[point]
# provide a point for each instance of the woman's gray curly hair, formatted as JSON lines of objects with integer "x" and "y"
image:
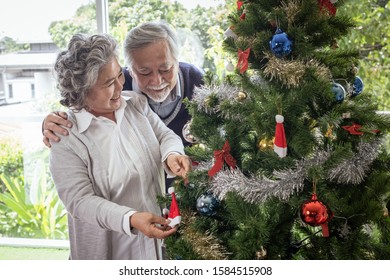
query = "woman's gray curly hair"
{"x": 77, "y": 68}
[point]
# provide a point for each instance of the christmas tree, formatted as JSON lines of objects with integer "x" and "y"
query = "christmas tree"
{"x": 288, "y": 150}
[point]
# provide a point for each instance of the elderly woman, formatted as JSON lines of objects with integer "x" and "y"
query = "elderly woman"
{"x": 109, "y": 170}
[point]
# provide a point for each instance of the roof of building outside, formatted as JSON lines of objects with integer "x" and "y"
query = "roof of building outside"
{"x": 28, "y": 60}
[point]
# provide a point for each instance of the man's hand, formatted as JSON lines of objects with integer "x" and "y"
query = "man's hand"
{"x": 151, "y": 225}
{"x": 51, "y": 125}
{"x": 180, "y": 165}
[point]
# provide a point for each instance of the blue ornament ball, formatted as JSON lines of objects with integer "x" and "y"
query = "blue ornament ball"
{"x": 357, "y": 87}
{"x": 280, "y": 44}
{"x": 338, "y": 91}
{"x": 207, "y": 204}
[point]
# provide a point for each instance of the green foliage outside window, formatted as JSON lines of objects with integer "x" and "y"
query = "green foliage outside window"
{"x": 11, "y": 159}
{"x": 29, "y": 208}
{"x": 371, "y": 37}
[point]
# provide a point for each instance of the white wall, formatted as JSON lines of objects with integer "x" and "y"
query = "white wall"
{"x": 44, "y": 83}
{"x": 21, "y": 90}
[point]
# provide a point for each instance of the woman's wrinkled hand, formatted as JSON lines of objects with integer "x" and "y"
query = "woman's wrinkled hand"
{"x": 152, "y": 225}
{"x": 179, "y": 165}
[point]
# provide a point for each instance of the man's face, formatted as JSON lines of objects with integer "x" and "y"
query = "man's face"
{"x": 155, "y": 70}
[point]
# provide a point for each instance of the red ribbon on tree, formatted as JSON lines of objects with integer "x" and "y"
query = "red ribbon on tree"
{"x": 242, "y": 62}
{"x": 222, "y": 156}
{"x": 239, "y": 4}
{"x": 353, "y": 129}
{"x": 327, "y": 4}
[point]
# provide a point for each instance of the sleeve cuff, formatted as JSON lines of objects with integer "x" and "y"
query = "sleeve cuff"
{"x": 126, "y": 222}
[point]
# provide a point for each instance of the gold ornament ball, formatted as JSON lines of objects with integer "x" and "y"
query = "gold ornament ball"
{"x": 265, "y": 143}
{"x": 242, "y": 96}
{"x": 355, "y": 70}
{"x": 200, "y": 146}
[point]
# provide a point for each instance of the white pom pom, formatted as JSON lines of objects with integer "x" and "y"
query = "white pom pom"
{"x": 171, "y": 190}
{"x": 279, "y": 118}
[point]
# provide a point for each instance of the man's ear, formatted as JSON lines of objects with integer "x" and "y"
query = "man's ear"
{"x": 130, "y": 71}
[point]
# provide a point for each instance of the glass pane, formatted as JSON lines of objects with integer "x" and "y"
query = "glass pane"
{"x": 29, "y": 206}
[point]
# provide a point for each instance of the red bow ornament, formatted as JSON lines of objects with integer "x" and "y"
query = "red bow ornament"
{"x": 328, "y": 4}
{"x": 239, "y": 4}
{"x": 353, "y": 129}
{"x": 242, "y": 62}
{"x": 222, "y": 156}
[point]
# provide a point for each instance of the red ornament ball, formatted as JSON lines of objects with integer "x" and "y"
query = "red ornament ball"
{"x": 315, "y": 212}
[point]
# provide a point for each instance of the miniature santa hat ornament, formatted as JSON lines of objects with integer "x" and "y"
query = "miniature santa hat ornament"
{"x": 174, "y": 211}
{"x": 280, "y": 144}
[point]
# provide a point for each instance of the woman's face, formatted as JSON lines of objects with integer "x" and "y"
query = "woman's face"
{"x": 155, "y": 70}
{"x": 103, "y": 98}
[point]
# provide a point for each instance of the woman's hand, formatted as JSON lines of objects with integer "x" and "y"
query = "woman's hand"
{"x": 179, "y": 165}
{"x": 152, "y": 225}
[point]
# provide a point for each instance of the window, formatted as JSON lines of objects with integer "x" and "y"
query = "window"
{"x": 10, "y": 92}
{"x": 32, "y": 91}
{"x": 28, "y": 93}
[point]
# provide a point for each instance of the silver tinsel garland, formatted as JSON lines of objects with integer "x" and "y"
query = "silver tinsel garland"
{"x": 223, "y": 92}
{"x": 353, "y": 170}
{"x": 257, "y": 189}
